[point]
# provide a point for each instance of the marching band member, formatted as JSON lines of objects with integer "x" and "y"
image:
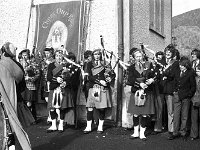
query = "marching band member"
{"x": 60, "y": 95}
{"x": 141, "y": 103}
{"x": 32, "y": 74}
{"x": 99, "y": 96}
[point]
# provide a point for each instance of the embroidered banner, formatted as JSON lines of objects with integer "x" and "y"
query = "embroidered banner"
{"x": 59, "y": 25}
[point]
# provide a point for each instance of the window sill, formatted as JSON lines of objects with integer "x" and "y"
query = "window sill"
{"x": 157, "y": 32}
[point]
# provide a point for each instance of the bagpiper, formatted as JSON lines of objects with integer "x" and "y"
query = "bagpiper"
{"x": 99, "y": 95}
{"x": 59, "y": 74}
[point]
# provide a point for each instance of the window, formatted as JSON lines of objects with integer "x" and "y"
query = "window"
{"x": 157, "y": 16}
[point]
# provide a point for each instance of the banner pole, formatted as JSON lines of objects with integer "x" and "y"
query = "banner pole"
{"x": 79, "y": 36}
{"x": 29, "y": 20}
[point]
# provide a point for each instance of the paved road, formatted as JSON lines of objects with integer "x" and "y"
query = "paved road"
{"x": 112, "y": 139}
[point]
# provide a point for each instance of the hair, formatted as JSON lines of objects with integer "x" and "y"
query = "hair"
{"x": 172, "y": 49}
{"x": 196, "y": 52}
{"x": 159, "y": 53}
{"x": 26, "y": 51}
{"x": 71, "y": 56}
{"x": 87, "y": 54}
{"x": 49, "y": 49}
{"x": 177, "y": 54}
{"x": 132, "y": 50}
{"x": 6, "y": 48}
{"x": 186, "y": 63}
{"x": 99, "y": 50}
{"x": 137, "y": 50}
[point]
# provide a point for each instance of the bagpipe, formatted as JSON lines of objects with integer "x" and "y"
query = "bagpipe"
{"x": 108, "y": 55}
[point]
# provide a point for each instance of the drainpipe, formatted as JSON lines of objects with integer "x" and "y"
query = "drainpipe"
{"x": 121, "y": 55}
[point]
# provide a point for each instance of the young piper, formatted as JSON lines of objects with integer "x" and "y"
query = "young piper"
{"x": 99, "y": 95}
{"x": 60, "y": 95}
{"x": 141, "y": 103}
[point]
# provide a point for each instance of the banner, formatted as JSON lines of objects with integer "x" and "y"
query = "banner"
{"x": 59, "y": 25}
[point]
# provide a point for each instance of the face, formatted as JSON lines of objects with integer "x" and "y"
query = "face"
{"x": 138, "y": 56}
{"x": 194, "y": 56}
{"x": 25, "y": 55}
{"x": 47, "y": 54}
{"x": 159, "y": 57}
{"x": 182, "y": 68}
{"x": 168, "y": 54}
{"x": 89, "y": 58}
{"x": 131, "y": 58}
{"x": 96, "y": 55}
{"x": 58, "y": 57}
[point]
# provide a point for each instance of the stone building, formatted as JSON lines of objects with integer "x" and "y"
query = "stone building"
{"x": 122, "y": 23}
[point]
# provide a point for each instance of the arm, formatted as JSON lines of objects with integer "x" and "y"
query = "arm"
{"x": 131, "y": 77}
{"x": 91, "y": 78}
{"x": 193, "y": 85}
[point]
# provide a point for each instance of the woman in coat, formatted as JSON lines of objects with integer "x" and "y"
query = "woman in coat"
{"x": 140, "y": 77}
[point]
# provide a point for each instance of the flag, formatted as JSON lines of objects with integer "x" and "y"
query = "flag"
{"x": 59, "y": 25}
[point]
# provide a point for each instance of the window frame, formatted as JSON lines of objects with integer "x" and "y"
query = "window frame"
{"x": 156, "y": 21}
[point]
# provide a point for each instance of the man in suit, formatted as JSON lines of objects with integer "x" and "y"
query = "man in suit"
{"x": 185, "y": 87}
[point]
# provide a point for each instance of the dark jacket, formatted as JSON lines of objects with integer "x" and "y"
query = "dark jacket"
{"x": 94, "y": 79}
{"x": 185, "y": 84}
{"x": 170, "y": 73}
{"x": 135, "y": 78}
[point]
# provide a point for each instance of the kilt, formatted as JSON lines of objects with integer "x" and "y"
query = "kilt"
{"x": 104, "y": 101}
{"x": 147, "y": 109}
{"x": 67, "y": 99}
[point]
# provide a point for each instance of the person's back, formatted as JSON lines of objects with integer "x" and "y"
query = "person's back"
{"x": 10, "y": 75}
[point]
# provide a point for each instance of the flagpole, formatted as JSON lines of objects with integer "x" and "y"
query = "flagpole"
{"x": 29, "y": 20}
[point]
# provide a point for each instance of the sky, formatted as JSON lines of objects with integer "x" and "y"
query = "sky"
{"x": 181, "y": 6}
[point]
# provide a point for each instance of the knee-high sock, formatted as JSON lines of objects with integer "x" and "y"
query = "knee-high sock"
{"x": 62, "y": 114}
{"x": 53, "y": 114}
{"x": 101, "y": 114}
{"x": 135, "y": 121}
{"x": 143, "y": 122}
{"x": 89, "y": 115}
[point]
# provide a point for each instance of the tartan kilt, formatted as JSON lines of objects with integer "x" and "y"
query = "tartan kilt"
{"x": 147, "y": 109}
{"x": 66, "y": 102}
{"x": 105, "y": 100}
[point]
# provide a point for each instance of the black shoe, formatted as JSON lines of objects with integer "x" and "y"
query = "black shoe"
{"x": 60, "y": 131}
{"x": 155, "y": 132}
{"x": 99, "y": 132}
{"x": 132, "y": 137}
{"x": 50, "y": 131}
{"x": 172, "y": 137}
{"x": 86, "y": 132}
{"x": 144, "y": 139}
